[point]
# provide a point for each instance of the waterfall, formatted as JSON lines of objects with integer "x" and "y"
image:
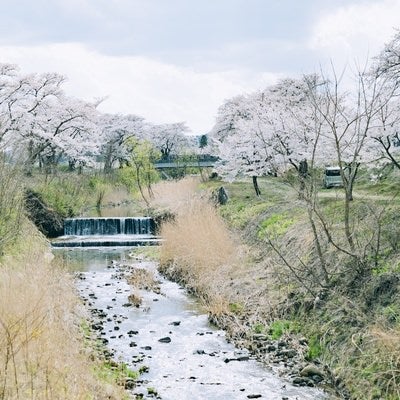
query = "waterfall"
{"x": 108, "y": 226}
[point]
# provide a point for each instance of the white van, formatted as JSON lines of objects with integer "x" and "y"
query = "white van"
{"x": 332, "y": 177}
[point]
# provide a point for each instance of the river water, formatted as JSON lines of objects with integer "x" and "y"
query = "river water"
{"x": 169, "y": 334}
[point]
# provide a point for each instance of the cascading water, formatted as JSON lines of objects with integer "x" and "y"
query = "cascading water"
{"x": 94, "y": 232}
{"x": 108, "y": 226}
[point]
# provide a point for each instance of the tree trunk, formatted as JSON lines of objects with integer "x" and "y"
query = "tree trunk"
{"x": 303, "y": 172}
{"x": 139, "y": 183}
{"x": 28, "y": 167}
{"x": 347, "y": 227}
{"x": 256, "y": 187}
{"x": 108, "y": 159}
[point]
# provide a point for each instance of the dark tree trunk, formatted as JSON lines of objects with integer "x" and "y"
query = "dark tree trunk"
{"x": 256, "y": 187}
{"x": 303, "y": 172}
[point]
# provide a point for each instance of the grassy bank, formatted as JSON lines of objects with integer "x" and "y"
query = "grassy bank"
{"x": 259, "y": 273}
{"x": 46, "y": 348}
{"x": 43, "y": 354}
{"x": 70, "y": 194}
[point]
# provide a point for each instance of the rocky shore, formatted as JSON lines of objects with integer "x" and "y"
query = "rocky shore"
{"x": 116, "y": 327}
{"x": 285, "y": 357}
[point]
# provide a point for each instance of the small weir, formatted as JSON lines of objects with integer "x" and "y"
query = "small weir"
{"x": 108, "y": 226}
{"x": 166, "y": 335}
{"x": 100, "y": 232}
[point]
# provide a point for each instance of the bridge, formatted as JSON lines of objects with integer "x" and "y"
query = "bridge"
{"x": 201, "y": 161}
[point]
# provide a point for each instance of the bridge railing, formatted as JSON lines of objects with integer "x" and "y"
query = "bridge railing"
{"x": 186, "y": 159}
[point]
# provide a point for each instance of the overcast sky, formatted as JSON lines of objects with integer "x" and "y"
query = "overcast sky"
{"x": 177, "y": 60}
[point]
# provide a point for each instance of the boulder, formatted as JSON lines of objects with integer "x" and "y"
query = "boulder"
{"x": 220, "y": 196}
{"x": 311, "y": 370}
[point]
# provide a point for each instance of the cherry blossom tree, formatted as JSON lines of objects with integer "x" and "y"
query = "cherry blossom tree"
{"x": 12, "y": 92}
{"x": 72, "y": 133}
{"x": 169, "y": 139}
{"x": 39, "y": 120}
{"x": 277, "y": 128}
{"x": 386, "y": 70}
{"x": 27, "y": 106}
{"x": 43, "y": 125}
{"x": 237, "y": 148}
{"x": 386, "y": 133}
{"x": 229, "y": 114}
{"x": 387, "y": 63}
{"x": 116, "y": 130}
{"x": 57, "y": 126}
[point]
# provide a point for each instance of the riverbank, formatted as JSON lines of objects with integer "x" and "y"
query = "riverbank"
{"x": 46, "y": 348}
{"x": 152, "y": 325}
{"x": 255, "y": 287}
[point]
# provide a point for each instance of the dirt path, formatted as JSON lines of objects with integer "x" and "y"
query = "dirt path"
{"x": 339, "y": 194}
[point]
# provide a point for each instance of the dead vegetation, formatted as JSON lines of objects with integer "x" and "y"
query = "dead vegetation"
{"x": 42, "y": 355}
{"x": 200, "y": 251}
{"x": 173, "y": 195}
{"x": 143, "y": 279}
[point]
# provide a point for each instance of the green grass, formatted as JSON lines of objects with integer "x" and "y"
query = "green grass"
{"x": 243, "y": 206}
{"x": 110, "y": 371}
{"x": 259, "y": 328}
{"x": 279, "y": 327}
{"x": 107, "y": 370}
{"x": 392, "y": 313}
{"x": 236, "y": 308}
{"x": 239, "y": 214}
{"x": 151, "y": 253}
{"x": 275, "y": 226}
{"x": 314, "y": 348}
{"x": 276, "y": 329}
{"x": 152, "y": 391}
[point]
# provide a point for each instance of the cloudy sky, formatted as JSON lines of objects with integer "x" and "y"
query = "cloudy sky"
{"x": 177, "y": 60}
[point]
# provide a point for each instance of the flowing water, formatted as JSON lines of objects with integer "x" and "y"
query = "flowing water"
{"x": 107, "y": 231}
{"x": 169, "y": 334}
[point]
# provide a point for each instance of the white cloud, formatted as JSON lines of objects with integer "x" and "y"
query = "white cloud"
{"x": 157, "y": 91}
{"x": 355, "y": 32}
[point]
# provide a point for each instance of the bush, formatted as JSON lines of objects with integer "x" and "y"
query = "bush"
{"x": 66, "y": 195}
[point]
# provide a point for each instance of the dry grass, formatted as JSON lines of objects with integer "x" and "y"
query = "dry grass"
{"x": 383, "y": 361}
{"x": 173, "y": 195}
{"x": 116, "y": 195}
{"x": 41, "y": 348}
{"x": 198, "y": 247}
{"x": 11, "y": 204}
{"x": 200, "y": 250}
{"x": 141, "y": 278}
{"x": 198, "y": 241}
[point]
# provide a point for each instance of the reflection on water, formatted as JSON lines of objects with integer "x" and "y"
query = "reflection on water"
{"x": 90, "y": 259}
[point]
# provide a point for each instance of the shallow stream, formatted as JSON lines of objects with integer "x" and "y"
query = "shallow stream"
{"x": 168, "y": 333}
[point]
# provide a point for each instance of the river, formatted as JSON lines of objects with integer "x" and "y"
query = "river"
{"x": 168, "y": 335}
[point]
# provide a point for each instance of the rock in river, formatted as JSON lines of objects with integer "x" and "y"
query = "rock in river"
{"x": 166, "y": 339}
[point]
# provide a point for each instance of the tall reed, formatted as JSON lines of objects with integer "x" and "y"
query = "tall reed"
{"x": 198, "y": 247}
{"x": 42, "y": 355}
